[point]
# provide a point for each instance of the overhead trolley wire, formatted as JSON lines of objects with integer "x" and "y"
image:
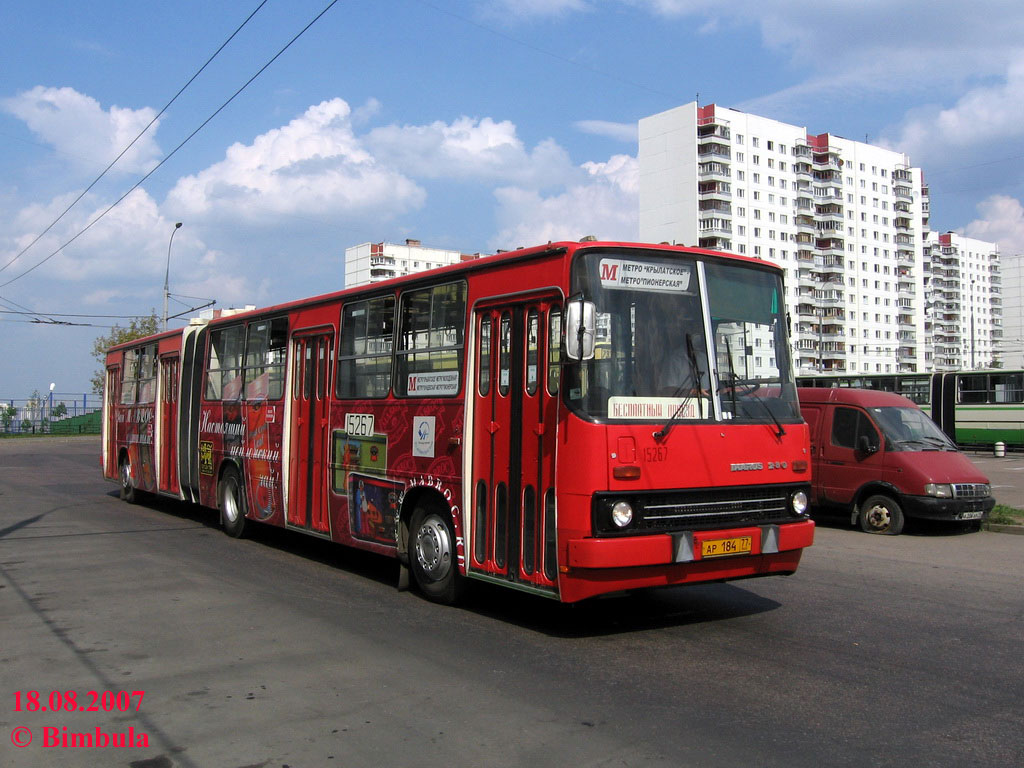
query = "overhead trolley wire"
{"x": 149, "y": 125}
{"x": 174, "y": 151}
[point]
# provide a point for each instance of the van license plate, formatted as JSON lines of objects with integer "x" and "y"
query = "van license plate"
{"x": 971, "y": 515}
{"x": 741, "y": 545}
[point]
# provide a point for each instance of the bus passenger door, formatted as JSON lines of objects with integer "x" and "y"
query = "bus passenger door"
{"x": 309, "y": 442}
{"x": 514, "y": 420}
{"x": 168, "y": 428}
{"x": 112, "y": 399}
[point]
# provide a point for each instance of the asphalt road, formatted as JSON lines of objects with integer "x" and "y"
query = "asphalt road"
{"x": 281, "y": 650}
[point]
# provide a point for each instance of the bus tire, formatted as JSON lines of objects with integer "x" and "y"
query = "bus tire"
{"x": 432, "y": 555}
{"x": 881, "y": 514}
{"x": 124, "y": 474}
{"x": 232, "y": 503}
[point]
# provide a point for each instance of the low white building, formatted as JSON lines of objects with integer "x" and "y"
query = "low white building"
{"x": 372, "y": 262}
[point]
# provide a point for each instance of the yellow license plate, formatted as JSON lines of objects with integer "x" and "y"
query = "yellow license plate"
{"x": 741, "y": 545}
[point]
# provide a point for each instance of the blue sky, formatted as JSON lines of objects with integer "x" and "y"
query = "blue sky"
{"x": 473, "y": 125}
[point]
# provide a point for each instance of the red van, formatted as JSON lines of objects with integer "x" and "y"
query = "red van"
{"x": 879, "y": 457}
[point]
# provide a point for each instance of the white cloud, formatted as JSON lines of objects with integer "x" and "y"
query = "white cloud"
{"x": 531, "y": 9}
{"x": 985, "y": 116}
{"x": 470, "y": 149}
{"x": 1002, "y": 222}
{"x": 619, "y": 131}
{"x": 315, "y": 165}
{"x": 86, "y": 134}
{"x": 604, "y": 204}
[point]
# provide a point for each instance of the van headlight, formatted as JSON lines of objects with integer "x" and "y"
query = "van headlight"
{"x": 799, "y": 502}
{"x": 939, "y": 490}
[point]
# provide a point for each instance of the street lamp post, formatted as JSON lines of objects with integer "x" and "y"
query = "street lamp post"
{"x": 167, "y": 273}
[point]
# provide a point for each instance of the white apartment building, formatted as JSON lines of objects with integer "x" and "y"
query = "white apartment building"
{"x": 373, "y": 262}
{"x": 847, "y": 221}
{"x": 1011, "y": 348}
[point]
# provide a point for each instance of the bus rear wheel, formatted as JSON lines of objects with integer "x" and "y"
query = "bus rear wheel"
{"x": 124, "y": 474}
{"x": 881, "y": 514}
{"x": 232, "y": 503}
{"x": 432, "y": 555}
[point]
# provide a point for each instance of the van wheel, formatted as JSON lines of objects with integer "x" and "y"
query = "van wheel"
{"x": 881, "y": 514}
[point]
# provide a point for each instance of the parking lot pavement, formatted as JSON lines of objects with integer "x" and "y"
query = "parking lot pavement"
{"x": 1006, "y": 475}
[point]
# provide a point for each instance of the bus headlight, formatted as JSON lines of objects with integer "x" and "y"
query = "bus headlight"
{"x": 799, "y": 502}
{"x": 939, "y": 490}
{"x": 622, "y": 514}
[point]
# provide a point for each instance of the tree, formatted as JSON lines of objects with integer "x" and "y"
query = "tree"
{"x": 7, "y": 413}
{"x": 60, "y": 410}
{"x": 136, "y": 329}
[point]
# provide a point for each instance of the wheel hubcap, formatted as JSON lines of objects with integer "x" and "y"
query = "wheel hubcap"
{"x": 126, "y": 475}
{"x": 230, "y": 504}
{"x": 878, "y": 517}
{"x": 433, "y": 549}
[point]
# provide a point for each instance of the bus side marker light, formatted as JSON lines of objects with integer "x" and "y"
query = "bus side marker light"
{"x": 626, "y": 473}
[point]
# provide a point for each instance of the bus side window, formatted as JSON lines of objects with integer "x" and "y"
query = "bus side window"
{"x": 265, "y": 350}
{"x": 973, "y": 388}
{"x": 224, "y": 369}
{"x": 430, "y": 339}
{"x": 364, "y": 354}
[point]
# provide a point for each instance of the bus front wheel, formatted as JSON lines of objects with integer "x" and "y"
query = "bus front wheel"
{"x": 432, "y": 555}
{"x": 232, "y": 503}
{"x": 881, "y": 514}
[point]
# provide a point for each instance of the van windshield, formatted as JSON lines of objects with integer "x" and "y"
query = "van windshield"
{"x": 910, "y": 429}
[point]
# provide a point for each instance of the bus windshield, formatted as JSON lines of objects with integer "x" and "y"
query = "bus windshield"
{"x": 660, "y": 319}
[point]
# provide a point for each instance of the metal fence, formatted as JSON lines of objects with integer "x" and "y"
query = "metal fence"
{"x": 53, "y": 413}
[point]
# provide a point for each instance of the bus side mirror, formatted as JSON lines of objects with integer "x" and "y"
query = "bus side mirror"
{"x": 580, "y": 330}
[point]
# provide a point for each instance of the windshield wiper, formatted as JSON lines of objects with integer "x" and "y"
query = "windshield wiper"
{"x": 693, "y": 380}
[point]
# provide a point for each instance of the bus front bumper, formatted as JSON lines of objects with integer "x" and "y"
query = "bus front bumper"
{"x": 597, "y": 566}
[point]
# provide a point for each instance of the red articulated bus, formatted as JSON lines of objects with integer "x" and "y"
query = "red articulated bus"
{"x": 571, "y": 420}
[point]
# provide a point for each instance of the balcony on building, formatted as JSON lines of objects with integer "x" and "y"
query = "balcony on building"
{"x": 829, "y": 178}
{"x": 904, "y": 240}
{"x": 715, "y": 227}
{"x": 805, "y": 223}
{"x": 806, "y": 310}
{"x": 803, "y": 170}
{"x": 714, "y": 242}
{"x": 713, "y": 170}
{"x": 830, "y": 246}
{"x": 716, "y": 207}
{"x": 904, "y": 256}
{"x": 805, "y": 279}
{"x": 804, "y": 254}
{"x": 712, "y": 124}
{"x": 827, "y": 159}
{"x": 829, "y": 212}
{"x": 903, "y": 222}
{"x": 711, "y": 147}
{"x": 903, "y": 193}
{"x": 714, "y": 190}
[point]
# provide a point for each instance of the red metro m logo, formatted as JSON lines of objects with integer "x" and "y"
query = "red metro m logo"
{"x": 609, "y": 272}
